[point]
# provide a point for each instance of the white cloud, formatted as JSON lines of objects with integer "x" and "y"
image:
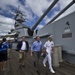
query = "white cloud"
{"x": 2, "y": 34}
{"x": 30, "y": 4}
{"x": 6, "y": 24}
{"x": 34, "y": 8}
{"x": 4, "y": 3}
{"x": 38, "y": 6}
{"x": 47, "y": 19}
{"x": 62, "y": 4}
{"x": 39, "y": 26}
{"x": 6, "y": 20}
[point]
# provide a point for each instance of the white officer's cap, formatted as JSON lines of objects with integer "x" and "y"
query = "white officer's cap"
{"x": 51, "y": 36}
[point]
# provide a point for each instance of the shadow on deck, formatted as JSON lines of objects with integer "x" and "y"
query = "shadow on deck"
{"x": 13, "y": 67}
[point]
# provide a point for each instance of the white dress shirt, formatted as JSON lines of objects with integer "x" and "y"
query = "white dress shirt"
{"x": 48, "y": 45}
{"x": 23, "y": 46}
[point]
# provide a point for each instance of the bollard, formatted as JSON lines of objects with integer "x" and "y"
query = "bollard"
{"x": 55, "y": 57}
{"x": 60, "y": 53}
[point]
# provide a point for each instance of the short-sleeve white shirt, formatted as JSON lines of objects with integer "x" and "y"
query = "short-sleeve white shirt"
{"x": 48, "y": 45}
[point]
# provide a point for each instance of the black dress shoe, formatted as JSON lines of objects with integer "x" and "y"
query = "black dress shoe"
{"x": 23, "y": 66}
{"x": 38, "y": 72}
{"x": 20, "y": 66}
{"x": 34, "y": 64}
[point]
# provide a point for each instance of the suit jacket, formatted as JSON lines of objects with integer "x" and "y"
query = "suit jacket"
{"x": 19, "y": 45}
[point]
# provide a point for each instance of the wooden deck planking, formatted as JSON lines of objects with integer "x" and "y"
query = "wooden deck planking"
{"x": 64, "y": 69}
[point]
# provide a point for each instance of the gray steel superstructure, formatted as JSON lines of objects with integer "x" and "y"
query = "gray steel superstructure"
{"x": 63, "y": 32}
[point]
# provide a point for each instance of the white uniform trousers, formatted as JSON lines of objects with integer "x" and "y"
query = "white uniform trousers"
{"x": 48, "y": 57}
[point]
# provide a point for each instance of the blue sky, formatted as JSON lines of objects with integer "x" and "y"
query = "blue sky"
{"x": 33, "y": 9}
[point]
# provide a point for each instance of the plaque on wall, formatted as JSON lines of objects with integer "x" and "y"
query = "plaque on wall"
{"x": 67, "y": 35}
{"x": 67, "y": 31}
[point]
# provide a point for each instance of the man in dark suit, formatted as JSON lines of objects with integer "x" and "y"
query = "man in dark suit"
{"x": 23, "y": 47}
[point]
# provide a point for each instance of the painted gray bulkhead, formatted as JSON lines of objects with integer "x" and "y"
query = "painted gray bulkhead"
{"x": 22, "y": 32}
{"x": 57, "y": 29}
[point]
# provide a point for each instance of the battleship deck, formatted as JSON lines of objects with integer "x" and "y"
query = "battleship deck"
{"x": 13, "y": 67}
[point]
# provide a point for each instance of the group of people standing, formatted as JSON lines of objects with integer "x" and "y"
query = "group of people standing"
{"x": 37, "y": 49}
{"x": 4, "y": 46}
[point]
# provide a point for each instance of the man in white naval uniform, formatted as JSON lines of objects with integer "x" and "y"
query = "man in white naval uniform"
{"x": 49, "y": 50}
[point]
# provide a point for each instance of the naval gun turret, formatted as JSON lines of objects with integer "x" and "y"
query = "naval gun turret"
{"x": 30, "y": 31}
{"x": 22, "y": 29}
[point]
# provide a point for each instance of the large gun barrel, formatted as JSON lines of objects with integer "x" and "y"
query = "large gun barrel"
{"x": 49, "y": 8}
{"x": 69, "y": 5}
